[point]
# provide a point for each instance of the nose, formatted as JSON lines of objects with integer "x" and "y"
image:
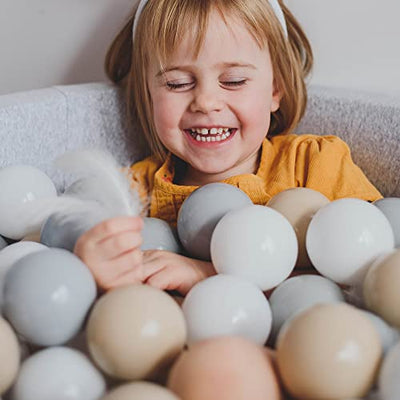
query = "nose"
{"x": 207, "y": 98}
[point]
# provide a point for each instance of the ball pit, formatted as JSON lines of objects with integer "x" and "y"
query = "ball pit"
{"x": 121, "y": 340}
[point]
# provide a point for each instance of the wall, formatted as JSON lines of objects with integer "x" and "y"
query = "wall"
{"x": 48, "y": 42}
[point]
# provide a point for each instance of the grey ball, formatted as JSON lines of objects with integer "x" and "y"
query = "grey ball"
{"x": 200, "y": 213}
{"x": 47, "y": 295}
{"x": 390, "y": 206}
{"x": 62, "y": 231}
{"x": 158, "y": 235}
{"x": 3, "y": 244}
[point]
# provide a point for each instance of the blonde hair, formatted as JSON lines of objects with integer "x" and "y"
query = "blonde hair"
{"x": 160, "y": 28}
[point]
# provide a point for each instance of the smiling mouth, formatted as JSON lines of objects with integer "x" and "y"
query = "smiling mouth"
{"x": 210, "y": 135}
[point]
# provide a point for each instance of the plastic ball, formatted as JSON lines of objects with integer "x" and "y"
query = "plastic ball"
{"x": 224, "y": 368}
{"x": 58, "y": 373}
{"x": 135, "y": 331}
{"x": 389, "y": 336}
{"x": 10, "y": 255}
{"x": 140, "y": 391}
{"x": 299, "y": 205}
{"x": 3, "y": 243}
{"x": 345, "y": 236}
{"x": 330, "y": 351}
{"x": 200, "y": 213}
{"x": 390, "y": 206}
{"x": 62, "y": 231}
{"x": 389, "y": 375}
{"x": 158, "y": 235}
{"x": 298, "y": 294}
{"x": 20, "y": 185}
{"x": 32, "y": 237}
{"x": 47, "y": 295}
{"x": 255, "y": 243}
{"x": 226, "y": 305}
{"x": 381, "y": 287}
{"x": 9, "y": 355}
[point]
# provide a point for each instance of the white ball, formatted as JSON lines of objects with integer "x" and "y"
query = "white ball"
{"x": 10, "y": 255}
{"x": 21, "y": 184}
{"x": 298, "y": 294}
{"x": 345, "y": 236}
{"x": 389, "y": 375}
{"x": 255, "y": 243}
{"x": 58, "y": 373}
{"x": 225, "y": 305}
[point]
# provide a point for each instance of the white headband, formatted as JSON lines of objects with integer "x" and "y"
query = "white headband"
{"x": 273, "y": 3}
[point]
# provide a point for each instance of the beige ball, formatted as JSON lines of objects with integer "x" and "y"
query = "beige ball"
{"x": 330, "y": 351}
{"x": 9, "y": 355}
{"x": 140, "y": 391}
{"x": 224, "y": 368}
{"x": 32, "y": 237}
{"x": 135, "y": 331}
{"x": 299, "y": 205}
{"x": 381, "y": 288}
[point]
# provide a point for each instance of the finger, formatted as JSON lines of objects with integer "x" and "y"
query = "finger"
{"x": 130, "y": 277}
{"x": 153, "y": 266}
{"x": 162, "y": 280}
{"x": 118, "y": 244}
{"x": 113, "y": 226}
{"x": 111, "y": 274}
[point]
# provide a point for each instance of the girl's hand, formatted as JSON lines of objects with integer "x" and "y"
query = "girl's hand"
{"x": 169, "y": 271}
{"x": 111, "y": 250}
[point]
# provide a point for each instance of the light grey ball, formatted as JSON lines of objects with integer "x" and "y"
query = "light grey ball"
{"x": 158, "y": 235}
{"x": 47, "y": 295}
{"x": 388, "y": 334}
{"x": 62, "y": 231}
{"x": 200, "y": 213}
{"x": 58, "y": 373}
{"x": 298, "y": 294}
{"x": 3, "y": 243}
{"x": 390, "y": 206}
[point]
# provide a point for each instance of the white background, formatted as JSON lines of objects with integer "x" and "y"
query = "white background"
{"x": 51, "y": 42}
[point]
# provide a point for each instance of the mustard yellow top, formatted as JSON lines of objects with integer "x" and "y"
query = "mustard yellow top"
{"x": 322, "y": 163}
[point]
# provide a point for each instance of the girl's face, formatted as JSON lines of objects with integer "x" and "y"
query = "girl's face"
{"x": 213, "y": 112}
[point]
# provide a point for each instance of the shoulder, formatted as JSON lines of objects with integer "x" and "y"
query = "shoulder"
{"x": 308, "y": 141}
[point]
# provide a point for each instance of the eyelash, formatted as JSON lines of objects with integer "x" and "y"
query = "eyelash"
{"x": 173, "y": 86}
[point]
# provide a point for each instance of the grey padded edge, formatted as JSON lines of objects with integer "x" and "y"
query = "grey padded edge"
{"x": 37, "y": 126}
{"x": 368, "y": 122}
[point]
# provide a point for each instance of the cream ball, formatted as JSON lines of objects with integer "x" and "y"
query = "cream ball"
{"x": 299, "y": 205}
{"x": 330, "y": 351}
{"x": 381, "y": 287}
{"x": 135, "y": 331}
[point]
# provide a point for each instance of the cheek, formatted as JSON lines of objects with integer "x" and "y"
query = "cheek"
{"x": 165, "y": 113}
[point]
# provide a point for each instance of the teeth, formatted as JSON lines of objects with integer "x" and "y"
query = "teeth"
{"x": 210, "y": 135}
{"x": 212, "y": 131}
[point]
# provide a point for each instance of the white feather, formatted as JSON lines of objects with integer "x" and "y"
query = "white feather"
{"x": 103, "y": 181}
{"x": 32, "y": 214}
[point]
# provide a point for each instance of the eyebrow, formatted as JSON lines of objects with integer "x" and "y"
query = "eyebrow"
{"x": 221, "y": 65}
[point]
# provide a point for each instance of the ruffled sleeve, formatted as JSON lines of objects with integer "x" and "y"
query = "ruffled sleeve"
{"x": 324, "y": 163}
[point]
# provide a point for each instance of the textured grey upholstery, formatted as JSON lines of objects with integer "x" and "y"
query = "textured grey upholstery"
{"x": 37, "y": 126}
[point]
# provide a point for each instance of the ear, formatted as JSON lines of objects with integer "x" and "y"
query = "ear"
{"x": 276, "y": 97}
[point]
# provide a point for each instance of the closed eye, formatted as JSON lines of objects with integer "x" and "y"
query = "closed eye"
{"x": 174, "y": 86}
{"x": 235, "y": 83}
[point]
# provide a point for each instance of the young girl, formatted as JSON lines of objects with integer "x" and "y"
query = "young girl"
{"x": 217, "y": 87}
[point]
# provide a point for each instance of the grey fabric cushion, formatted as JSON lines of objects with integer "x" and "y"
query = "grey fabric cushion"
{"x": 37, "y": 126}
